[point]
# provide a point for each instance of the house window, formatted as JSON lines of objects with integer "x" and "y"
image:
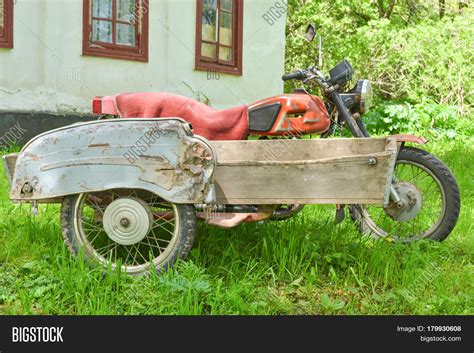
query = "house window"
{"x": 219, "y": 35}
{"x": 6, "y": 23}
{"x": 116, "y": 29}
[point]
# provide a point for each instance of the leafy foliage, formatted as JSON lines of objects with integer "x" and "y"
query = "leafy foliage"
{"x": 427, "y": 117}
{"x": 414, "y": 58}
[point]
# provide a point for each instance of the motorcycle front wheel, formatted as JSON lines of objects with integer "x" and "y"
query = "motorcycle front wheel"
{"x": 431, "y": 201}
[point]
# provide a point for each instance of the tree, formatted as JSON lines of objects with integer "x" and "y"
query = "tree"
{"x": 386, "y": 10}
{"x": 442, "y": 8}
{"x": 463, "y": 4}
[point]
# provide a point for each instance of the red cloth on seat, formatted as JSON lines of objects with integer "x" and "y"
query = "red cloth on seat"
{"x": 228, "y": 124}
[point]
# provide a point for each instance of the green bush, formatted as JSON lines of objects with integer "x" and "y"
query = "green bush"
{"x": 429, "y": 60}
{"x": 410, "y": 56}
{"x": 427, "y": 117}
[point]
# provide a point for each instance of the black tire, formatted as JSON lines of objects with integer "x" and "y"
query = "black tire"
{"x": 452, "y": 201}
{"x": 183, "y": 238}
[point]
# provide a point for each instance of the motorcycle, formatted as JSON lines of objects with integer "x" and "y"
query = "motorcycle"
{"x": 347, "y": 108}
{"x": 132, "y": 187}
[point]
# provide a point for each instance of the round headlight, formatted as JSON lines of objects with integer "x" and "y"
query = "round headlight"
{"x": 366, "y": 96}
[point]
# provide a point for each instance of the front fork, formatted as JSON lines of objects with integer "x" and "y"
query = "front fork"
{"x": 358, "y": 129}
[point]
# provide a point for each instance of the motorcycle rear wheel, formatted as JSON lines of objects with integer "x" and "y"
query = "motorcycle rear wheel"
{"x": 436, "y": 201}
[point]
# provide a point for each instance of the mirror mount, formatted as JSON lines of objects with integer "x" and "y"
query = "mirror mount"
{"x": 311, "y": 33}
{"x": 320, "y": 53}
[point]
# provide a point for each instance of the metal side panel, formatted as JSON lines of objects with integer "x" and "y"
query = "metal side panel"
{"x": 158, "y": 155}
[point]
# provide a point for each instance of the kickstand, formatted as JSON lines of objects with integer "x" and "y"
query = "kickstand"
{"x": 340, "y": 213}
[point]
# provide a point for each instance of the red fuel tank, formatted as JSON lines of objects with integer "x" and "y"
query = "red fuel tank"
{"x": 288, "y": 114}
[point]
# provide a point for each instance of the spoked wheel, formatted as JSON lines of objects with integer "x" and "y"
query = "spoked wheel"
{"x": 430, "y": 197}
{"x": 133, "y": 230}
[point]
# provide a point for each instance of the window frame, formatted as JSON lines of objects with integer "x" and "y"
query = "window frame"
{"x": 236, "y": 68}
{"x": 6, "y": 35}
{"x": 117, "y": 51}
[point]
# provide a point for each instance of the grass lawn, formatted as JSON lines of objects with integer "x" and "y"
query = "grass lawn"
{"x": 306, "y": 265}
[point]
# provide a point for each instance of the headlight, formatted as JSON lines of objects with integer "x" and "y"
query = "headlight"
{"x": 366, "y": 95}
{"x": 360, "y": 98}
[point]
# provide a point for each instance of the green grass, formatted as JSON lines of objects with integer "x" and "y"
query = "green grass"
{"x": 306, "y": 265}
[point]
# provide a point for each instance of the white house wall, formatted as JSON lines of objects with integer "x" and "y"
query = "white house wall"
{"x": 45, "y": 71}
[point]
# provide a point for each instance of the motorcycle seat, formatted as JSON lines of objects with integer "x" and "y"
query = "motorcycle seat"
{"x": 213, "y": 124}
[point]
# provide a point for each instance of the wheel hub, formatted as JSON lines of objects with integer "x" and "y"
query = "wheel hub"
{"x": 411, "y": 201}
{"x": 127, "y": 220}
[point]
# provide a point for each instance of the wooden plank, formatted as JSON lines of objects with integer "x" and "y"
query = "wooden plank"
{"x": 312, "y": 172}
{"x": 393, "y": 147}
{"x": 289, "y": 150}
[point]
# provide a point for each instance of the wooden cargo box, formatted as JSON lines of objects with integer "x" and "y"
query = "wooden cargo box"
{"x": 317, "y": 171}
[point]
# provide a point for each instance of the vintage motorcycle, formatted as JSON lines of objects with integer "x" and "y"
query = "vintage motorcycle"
{"x": 132, "y": 187}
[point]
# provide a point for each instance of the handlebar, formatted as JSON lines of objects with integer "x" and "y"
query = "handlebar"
{"x": 311, "y": 73}
{"x": 297, "y": 75}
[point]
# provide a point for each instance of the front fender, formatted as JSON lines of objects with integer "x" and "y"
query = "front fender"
{"x": 402, "y": 138}
{"x": 158, "y": 155}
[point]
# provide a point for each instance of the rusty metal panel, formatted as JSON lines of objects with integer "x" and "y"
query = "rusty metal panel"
{"x": 158, "y": 155}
